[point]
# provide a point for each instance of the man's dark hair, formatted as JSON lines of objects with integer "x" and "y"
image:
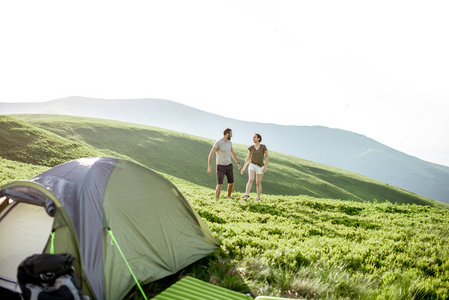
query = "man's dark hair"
{"x": 226, "y": 131}
{"x": 259, "y": 136}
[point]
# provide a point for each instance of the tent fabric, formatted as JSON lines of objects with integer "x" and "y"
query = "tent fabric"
{"x": 130, "y": 222}
{"x": 80, "y": 186}
{"x": 157, "y": 229}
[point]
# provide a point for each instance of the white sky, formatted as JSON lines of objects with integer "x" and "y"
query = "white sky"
{"x": 379, "y": 68}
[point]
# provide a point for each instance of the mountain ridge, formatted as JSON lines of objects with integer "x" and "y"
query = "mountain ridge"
{"x": 334, "y": 147}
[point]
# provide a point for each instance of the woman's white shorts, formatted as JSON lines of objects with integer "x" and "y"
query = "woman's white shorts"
{"x": 255, "y": 168}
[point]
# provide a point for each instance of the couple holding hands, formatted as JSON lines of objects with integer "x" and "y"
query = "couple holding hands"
{"x": 223, "y": 150}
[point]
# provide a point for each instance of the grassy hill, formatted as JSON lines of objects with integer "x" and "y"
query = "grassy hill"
{"x": 295, "y": 246}
{"x": 185, "y": 157}
{"x": 329, "y": 146}
{"x": 25, "y": 143}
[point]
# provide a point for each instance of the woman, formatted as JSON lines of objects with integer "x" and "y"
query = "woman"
{"x": 256, "y": 168}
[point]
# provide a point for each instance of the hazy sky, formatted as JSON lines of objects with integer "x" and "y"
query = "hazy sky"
{"x": 379, "y": 68}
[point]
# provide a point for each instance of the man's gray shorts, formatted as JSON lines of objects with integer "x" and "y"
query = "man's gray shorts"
{"x": 225, "y": 170}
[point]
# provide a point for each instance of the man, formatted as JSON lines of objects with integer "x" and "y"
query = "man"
{"x": 223, "y": 149}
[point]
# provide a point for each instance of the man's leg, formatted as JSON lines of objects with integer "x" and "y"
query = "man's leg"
{"x": 217, "y": 191}
{"x": 230, "y": 188}
{"x": 230, "y": 178}
{"x": 220, "y": 176}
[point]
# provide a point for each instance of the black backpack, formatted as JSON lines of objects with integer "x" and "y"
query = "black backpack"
{"x": 49, "y": 276}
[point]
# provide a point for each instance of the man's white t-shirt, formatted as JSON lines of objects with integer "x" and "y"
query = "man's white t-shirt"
{"x": 223, "y": 152}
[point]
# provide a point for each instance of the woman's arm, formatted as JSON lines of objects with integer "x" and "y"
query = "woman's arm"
{"x": 248, "y": 157}
{"x": 267, "y": 159}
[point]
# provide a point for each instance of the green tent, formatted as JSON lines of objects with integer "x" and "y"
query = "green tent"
{"x": 121, "y": 221}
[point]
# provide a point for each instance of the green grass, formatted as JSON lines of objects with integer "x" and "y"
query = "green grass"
{"x": 300, "y": 246}
{"x": 13, "y": 171}
{"x": 25, "y": 143}
{"x": 308, "y": 244}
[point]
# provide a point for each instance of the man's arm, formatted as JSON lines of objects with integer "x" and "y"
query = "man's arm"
{"x": 209, "y": 160}
{"x": 235, "y": 158}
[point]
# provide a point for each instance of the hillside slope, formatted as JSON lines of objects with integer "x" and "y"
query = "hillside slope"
{"x": 338, "y": 148}
{"x": 185, "y": 157}
{"x": 25, "y": 143}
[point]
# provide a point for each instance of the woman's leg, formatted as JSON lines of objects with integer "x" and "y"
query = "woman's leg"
{"x": 259, "y": 185}
{"x": 250, "y": 181}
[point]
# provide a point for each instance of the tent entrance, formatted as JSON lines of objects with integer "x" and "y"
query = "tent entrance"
{"x": 24, "y": 231}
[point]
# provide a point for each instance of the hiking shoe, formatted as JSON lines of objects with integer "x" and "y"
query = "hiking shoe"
{"x": 258, "y": 198}
{"x": 229, "y": 197}
{"x": 245, "y": 197}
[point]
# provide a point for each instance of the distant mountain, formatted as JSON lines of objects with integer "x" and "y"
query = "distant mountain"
{"x": 333, "y": 147}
